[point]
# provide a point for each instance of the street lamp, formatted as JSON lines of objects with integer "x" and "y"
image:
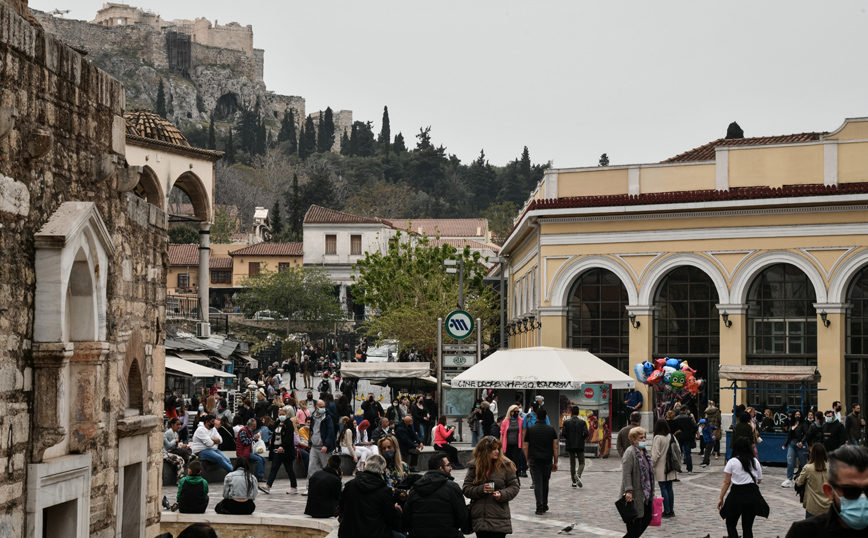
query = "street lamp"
{"x": 502, "y": 261}
{"x": 450, "y": 264}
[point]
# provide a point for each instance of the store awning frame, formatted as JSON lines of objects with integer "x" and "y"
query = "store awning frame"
{"x": 383, "y": 370}
{"x": 176, "y": 366}
{"x": 759, "y": 372}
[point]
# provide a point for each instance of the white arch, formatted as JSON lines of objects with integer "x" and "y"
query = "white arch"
{"x": 659, "y": 271}
{"x": 571, "y": 270}
{"x": 746, "y": 273}
{"x": 843, "y": 277}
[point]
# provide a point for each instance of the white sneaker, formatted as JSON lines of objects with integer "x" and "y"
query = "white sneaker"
{"x": 579, "y": 480}
{"x": 787, "y": 484}
{"x": 304, "y": 493}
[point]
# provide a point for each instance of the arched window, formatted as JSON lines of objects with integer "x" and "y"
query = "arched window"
{"x": 857, "y": 340}
{"x": 781, "y": 331}
{"x": 686, "y": 324}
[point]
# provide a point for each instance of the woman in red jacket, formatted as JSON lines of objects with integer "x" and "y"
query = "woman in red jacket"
{"x": 510, "y": 433}
{"x": 441, "y": 442}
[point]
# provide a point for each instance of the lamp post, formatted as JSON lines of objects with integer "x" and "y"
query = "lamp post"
{"x": 502, "y": 261}
{"x": 451, "y": 270}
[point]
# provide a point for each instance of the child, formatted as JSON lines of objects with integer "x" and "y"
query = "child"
{"x": 708, "y": 435}
{"x": 192, "y": 491}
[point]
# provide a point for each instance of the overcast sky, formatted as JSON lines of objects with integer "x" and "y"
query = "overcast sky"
{"x": 570, "y": 79}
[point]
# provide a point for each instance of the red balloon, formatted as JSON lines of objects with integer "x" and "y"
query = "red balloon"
{"x": 656, "y": 377}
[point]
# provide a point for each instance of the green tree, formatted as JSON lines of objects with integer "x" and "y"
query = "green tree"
{"x": 604, "y": 160}
{"x": 212, "y": 137}
{"x": 399, "y": 146}
{"x": 223, "y": 227}
{"x": 229, "y": 148}
{"x": 161, "y": 101}
{"x": 409, "y": 287}
{"x": 500, "y": 219}
{"x": 183, "y": 235}
{"x": 362, "y": 139}
{"x": 261, "y": 139}
{"x": 734, "y": 131}
{"x": 325, "y": 135}
{"x": 302, "y": 149}
{"x": 345, "y": 144}
{"x": 274, "y": 217}
{"x": 287, "y": 131}
{"x": 249, "y": 128}
{"x": 295, "y": 209}
{"x": 296, "y": 293}
{"x": 482, "y": 181}
{"x": 307, "y": 143}
{"x": 385, "y": 132}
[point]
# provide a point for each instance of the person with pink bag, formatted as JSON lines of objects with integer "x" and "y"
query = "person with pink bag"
{"x": 660, "y": 447}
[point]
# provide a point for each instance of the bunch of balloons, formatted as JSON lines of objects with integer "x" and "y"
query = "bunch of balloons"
{"x": 671, "y": 374}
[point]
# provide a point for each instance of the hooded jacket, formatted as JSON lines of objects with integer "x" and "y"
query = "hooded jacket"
{"x": 324, "y": 493}
{"x": 368, "y": 508}
{"x": 435, "y": 507}
{"x": 490, "y": 514}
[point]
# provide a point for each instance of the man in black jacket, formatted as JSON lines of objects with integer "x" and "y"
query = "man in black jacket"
{"x": 372, "y": 410}
{"x": 408, "y": 442}
{"x": 324, "y": 490}
{"x": 366, "y": 506}
{"x": 575, "y": 434}
{"x": 381, "y": 431}
{"x": 685, "y": 433}
{"x": 541, "y": 448}
{"x": 435, "y": 506}
{"x": 848, "y": 478}
{"x": 834, "y": 433}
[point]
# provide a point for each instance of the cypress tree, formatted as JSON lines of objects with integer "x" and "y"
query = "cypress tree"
{"x": 399, "y": 145}
{"x": 212, "y": 137}
{"x": 302, "y": 148}
{"x": 345, "y": 143}
{"x": 734, "y": 131}
{"x": 248, "y": 131}
{"x": 354, "y": 140}
{"x": 276, "y": 224}
{"x": 604, "y": 160}
{"x": 309, "y": 139}
{"x": 261, "y": 139}
{"x": 321, "y": 146}
{"x": 524, "y": 166}
{"x": 385, "y": 132}
{"x": 161, "y": 101}
{"x": 229, "y": 150}
{"x": 328, "y": 126}
{"x": 293, "y": 203}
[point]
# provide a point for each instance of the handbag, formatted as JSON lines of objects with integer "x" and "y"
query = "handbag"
{"x": 657, "y": 512}
{"x": 627, "y": 510}
{"x": 467, "y": 524}
{"x": 258, "y": 448}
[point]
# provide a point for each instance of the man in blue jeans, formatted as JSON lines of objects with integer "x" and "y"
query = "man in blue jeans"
{"x": 685, "y": 432}
{"x": 206, "y": 441}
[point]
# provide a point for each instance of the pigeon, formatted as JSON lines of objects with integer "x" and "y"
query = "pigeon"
{"x": 567, "y": 529}
{"x": 165, "y": 502}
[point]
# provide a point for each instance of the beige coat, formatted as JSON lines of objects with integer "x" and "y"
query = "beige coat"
{"x": 659, "y": 448}
{"x": 816, "y": 502}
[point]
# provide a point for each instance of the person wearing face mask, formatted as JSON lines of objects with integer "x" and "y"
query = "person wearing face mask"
{"x": 372, "y": 410}
{"x": 834, "y": 433}
{"x": 637, "y": 481}
{"x": 322, "y": 439}
{"x": 395, "y": 413}
{"x": 282, "y": 446}
{"x": 205, "y": 442}
{"x": 854, "y": 425}
{"x": 793, "y": 445}
{"x": 510, "y": 434}
{"x": 847, "y": 490}
{"x": 836, "y": 407}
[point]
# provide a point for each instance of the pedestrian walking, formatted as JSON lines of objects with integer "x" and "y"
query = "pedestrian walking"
{"x": 637, "y": 482}
{"x": 473, "y": 420}
{"x": 847, "y": 516}
{"x": 283, "y": 452}
{"x": 510, "y": 435}
{"x": 490, "y": 484}
{"x": 305, "y": 371}
{"x": 435, "y": 504}
{"x": 660, "y": 448}
{"x": 541, "y": 451}
{"x": 575, "y": 434}
{"x": 812, "y": 477}
{"x": 854, "y": 424}
{"x": 712, "y": 414}
{"x": 685, "y": 434}
{"x": 794, "y": 447}
{"x": 707, "y": 431}
{"x": 624, "y": 434}
{"x": 744, "y": 473}
{"x": 366, "y": 508}
{"x": 834, "y": 433}
{"x": 322, "y": 439}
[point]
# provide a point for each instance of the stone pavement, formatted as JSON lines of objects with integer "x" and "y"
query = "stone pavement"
{"x": 592, "y": 507}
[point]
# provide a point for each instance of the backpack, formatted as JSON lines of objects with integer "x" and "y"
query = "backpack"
{"x": 673, "y": 457}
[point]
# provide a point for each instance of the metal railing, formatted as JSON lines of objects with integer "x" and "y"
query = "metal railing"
{"x": 181, "y": 306}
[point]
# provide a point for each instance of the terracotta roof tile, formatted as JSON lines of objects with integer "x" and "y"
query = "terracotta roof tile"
{"x": 460, "y": 244}
{"x": 270, "y": 249}
{"x": 706, "y": 152}
{"x": 150, "y": 125}
{"x": 221, "y": 263}
{"x": 188, "y": 256}
{"x": 442, "y": 227}
{"x": 321, "y": 215}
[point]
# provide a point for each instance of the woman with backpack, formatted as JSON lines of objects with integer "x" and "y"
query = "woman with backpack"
{"x": 662, "y": 458}
{"x": 809, "y": 483}
{"x": 744, "y": 473}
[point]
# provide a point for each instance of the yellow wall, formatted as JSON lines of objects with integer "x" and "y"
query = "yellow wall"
{"x": 592, "y": 183}
{"x": 853, "y": 162}
{"x": 776, "y": 166}
{"x": 676, "y": 178}
{"x": 831, "y": 343}
{"x": 853, "y": 130}
{"x": 241, "y": 267}
{"x": 174, "y": 271}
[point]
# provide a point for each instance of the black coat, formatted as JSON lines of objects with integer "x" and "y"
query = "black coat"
{"x": 372, "y": 411}
{"x": 487, "y": 420}
{"x": 368, "y": 508}
{"x": 435, "y": 507}
{"x": 686, "y": 428}
{"x": 406, "y": 438}
{"x": 324, "y": 493}
{"x": 834, "y": 435}
{"x": 287, "y": 438}
{"x": 575, "y": 433}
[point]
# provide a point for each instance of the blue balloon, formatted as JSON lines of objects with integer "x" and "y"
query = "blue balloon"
{"x": 639, "y": 370}
{"x": 673, "y": 363}
{"x": 648, "y": 367}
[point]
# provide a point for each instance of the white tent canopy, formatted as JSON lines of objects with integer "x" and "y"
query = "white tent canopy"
{"x": 379, "y": 370}
{"x": 192, "y": 369}
{"x": 541, "y": 368}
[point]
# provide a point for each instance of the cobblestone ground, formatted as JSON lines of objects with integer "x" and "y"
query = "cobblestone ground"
{"x": 592, "y": 507}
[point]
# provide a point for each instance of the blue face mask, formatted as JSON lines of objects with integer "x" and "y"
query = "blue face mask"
{"x": 642, "y": 444}
{"x": 854, "y": 513}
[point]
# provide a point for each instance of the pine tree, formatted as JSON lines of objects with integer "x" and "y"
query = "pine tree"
{"x": 287, "y": 131}
{"x": 212, "y": 137}
{"x": 524, "y": 165}
{"x": 604, "y": 160}
{"x": 307, "y": 142}
{"x": 345, "y": 143}
{"x": 385, "y": 132}
{"x": 399, "y": 145}
{"x": 321, "y": 145}
{"x": 161, "y": 101}
{"x": 302, "y": 149}
{"x": 276, "y": 223}
{"x": 354, "y": 140}
{"x": 229, "y": 150}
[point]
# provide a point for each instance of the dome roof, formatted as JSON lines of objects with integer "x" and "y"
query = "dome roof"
{"x": 149, "y": 125}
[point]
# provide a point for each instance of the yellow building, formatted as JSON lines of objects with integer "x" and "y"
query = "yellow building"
{"x": 249, "y": 261}
{"x": 183, "y": 276}
{"x": 744, "y": 251}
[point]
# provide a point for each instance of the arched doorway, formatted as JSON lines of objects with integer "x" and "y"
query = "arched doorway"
{"x": 597, "y": 322}
{"x": 781, "y": 331}
{"x": 686, "y": 326}
{"x": 856, "y": 355}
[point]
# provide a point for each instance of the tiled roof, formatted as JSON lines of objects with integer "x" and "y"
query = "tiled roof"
{"x": 706, "y": 152}
{"x": 188, "y": 255}
{"x": 270, "y": 249}
{"x": 460, "y": 244}
{"x": 442, "y": 227}
{"x": 321, "y": 215}
{"x": 150, "y": 125}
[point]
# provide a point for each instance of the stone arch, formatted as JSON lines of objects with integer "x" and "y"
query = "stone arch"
{"x": 226, "y": 107}
{"x": 567, "y": 275}
{"x": 839, "y": 286}
{"x": 748, "y": 270}
{"x": 131, "y": 377}
{"x": 658, "y": 272}
{"x": 72, "y": 253}
{"x": 149, "y": 188}
{"x": 195, "y": 190}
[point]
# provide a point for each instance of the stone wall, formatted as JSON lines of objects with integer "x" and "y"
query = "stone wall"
{"x": 68, "y": 127}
